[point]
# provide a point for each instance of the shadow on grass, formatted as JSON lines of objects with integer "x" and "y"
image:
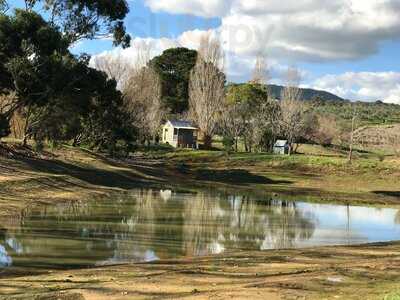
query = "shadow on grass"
{"x": 94, "y": 176}
{"x": 388, "y": 193}
{"x": 237, "y": 176}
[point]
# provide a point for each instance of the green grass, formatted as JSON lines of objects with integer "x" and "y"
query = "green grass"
{"x": 392, "y": 296}
{"x": 361, "y": 163}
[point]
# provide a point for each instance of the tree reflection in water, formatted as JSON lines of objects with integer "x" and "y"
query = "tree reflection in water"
{"x": 5, "y": 259}
{"x": 147, "y": 224}
{"x": 397, "y": 217}
{"x": 238, "y": 222}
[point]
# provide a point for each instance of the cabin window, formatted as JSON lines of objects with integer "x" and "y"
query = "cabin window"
{"x": 175, "y": 131}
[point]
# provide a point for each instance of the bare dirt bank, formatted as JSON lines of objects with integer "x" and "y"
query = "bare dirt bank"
{"x": 355, "y": 272}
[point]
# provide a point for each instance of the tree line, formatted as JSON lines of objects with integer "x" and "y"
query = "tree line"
{"x": 52, "y": 94}
{"x": 112, "y": 103}
{"x": 189, "y": 84}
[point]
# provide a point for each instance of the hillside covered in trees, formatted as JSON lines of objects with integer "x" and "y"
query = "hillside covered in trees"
{"x": 324, "y": 102}
{"x": 307, "y": 94}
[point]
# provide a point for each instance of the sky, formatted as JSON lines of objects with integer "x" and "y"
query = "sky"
{"x": 347, "y": 47}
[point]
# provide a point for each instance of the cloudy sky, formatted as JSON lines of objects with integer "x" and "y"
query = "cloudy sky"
{"x": 348, "y": 47}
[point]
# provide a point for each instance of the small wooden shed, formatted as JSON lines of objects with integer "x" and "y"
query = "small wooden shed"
{"x": 281, "y": 147}
{"x": 180, "y": 134}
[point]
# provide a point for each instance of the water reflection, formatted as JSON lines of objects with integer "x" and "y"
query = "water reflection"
{"x": 5, "y": 259}
{"x": 147, "y": 225}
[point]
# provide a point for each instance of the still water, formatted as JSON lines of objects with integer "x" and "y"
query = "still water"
{"x": 147, "y": 225}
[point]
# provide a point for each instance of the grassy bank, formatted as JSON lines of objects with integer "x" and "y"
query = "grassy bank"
{"x": 317, "y": 175}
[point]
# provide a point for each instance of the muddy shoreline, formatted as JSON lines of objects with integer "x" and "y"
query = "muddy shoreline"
{"x": 346, "y": 272}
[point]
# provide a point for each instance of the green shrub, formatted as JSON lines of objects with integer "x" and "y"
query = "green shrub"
{"x": 392, "y": 296}
{"x": 228, "y": 143}
{"x": 38, "y": 146}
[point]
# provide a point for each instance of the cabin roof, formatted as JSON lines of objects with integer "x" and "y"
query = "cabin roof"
{"x": 182, "y": 124}
{"x": 281, "y": 143}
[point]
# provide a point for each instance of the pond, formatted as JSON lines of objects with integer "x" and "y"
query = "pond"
{"x": 148, "y": 225}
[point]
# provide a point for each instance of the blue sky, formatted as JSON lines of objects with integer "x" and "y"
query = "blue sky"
{"x": 349, "y": 47}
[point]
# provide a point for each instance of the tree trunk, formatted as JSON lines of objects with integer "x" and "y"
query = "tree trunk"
{"x": 207, "y": 140}
{"x": 246, "y": 147}
{"x": 25, "y": 140}
{"x": 296, "y": 148}
{"x": 351, "y": 140}
{"x": 76, "y": 140}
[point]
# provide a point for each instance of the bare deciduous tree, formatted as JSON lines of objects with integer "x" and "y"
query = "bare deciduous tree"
{"x": 207, "y": 88}
{"x": 115, "y": 66}
{"x": 142, "y": 96}
{"x": 293, "y": 109}
{"x": 352, "y": 133}
{"x": 266, "y": 116}
{"x": 326, "y": 132}
{"x": 260, "y": 73}
{"x": 231, "y": 122}
{"x": 266, "y": 125}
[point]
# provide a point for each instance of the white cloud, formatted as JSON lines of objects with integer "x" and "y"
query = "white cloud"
{"x": 203, "y": 8}
{"x": 367, "y": 86}
{"x": 293, "y": 31}
{"x": 307, "y": 30}
{"x": 157, "y": 46}
{"x": 238, "y": 67}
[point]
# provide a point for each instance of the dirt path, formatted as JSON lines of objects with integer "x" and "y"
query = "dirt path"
{"x": 356, "y": 272}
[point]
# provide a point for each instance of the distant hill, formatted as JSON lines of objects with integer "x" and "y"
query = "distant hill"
{"x": 308, "y": 94}
{"x": 325, "y": 103}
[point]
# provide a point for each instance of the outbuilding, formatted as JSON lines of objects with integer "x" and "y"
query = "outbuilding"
{"x": 281, "y": 147}
{"x": 180, "y": 134}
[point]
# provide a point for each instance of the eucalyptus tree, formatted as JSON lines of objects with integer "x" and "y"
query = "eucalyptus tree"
{"x": 143, "y": 95}
{"x": 49, "y": 82}
{"x": 31, "y": 52}
{"x": 83, "y": 19}
{"x": 3, "y": 6}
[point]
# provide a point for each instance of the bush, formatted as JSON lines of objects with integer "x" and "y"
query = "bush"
{"x": 228, "y": 143}
{"x": 38, "y": 146}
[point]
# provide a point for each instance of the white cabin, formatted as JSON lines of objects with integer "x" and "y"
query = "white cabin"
{"x": 281, "y": 147}
{"x": 180, "y": 134}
